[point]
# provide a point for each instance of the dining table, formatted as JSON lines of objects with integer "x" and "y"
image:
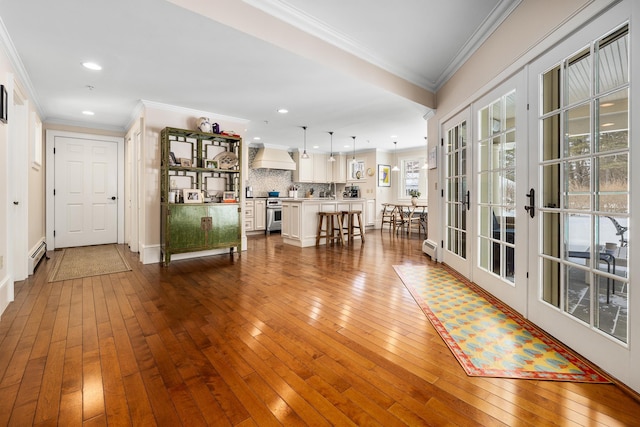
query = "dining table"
{"x": 407, "y": 213}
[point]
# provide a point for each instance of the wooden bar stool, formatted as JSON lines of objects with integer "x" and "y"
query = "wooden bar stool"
{"x": 328, "y": 233}
{"x": 349, "y": 224}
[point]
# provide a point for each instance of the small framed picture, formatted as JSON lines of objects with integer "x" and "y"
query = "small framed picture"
{"x": 172, "y": 159}
{"x": 4, "y": 104}
{"x": 192, "y": 196}
{"x": 384, "y": 176}
{"x": 229, "y": 196}
{"x": 185, "y": 162}
{"x": 211, "y": 164}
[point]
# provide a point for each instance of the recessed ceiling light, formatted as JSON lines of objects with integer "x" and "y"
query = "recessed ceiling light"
{"x": 607, "y": 104}
{"x": 347, "y": 146}
{"x": 92, "y": 66}
{"x": 256, "y": 138}
{"x": 283, "y": 110}
{"x": 394, "y": 136}
{"x": 316, "y": 146}
{"x": 604, "y": 125}
{"x": 88, "y": 113}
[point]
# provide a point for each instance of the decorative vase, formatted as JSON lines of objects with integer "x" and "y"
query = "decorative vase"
{"x": 414, "y": 201}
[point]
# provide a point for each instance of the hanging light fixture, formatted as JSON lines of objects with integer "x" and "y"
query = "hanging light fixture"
{"x": 331, "y": 158}
{"x": 304, "y": 153}
{"x": 354, "y": 150}
{"x": 395, "y": 154}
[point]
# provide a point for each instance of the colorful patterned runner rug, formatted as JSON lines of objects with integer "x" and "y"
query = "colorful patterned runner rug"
{"x": 487, "y": 337}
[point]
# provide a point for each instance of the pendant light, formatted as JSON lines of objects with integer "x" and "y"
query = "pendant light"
{"x": 304, "y": 153}
{"x": 354, "y": 150}
{"x": 395, "y": 154}
{"x": 331, "y": 158}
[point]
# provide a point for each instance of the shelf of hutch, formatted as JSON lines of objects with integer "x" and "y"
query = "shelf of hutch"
{"x": 201, "y": 167}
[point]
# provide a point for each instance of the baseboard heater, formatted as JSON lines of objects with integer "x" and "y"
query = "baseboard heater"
{"x": 430, "y": 248}
{"x": 37, "y": 256}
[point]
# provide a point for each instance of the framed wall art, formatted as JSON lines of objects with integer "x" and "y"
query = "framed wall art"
{"x": 4, "y": 104}
{"x": 384, "y": 175}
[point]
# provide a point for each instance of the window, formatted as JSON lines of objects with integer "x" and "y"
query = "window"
{"x": 412, "y": 177}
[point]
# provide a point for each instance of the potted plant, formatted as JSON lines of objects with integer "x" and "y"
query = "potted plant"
{"x": 414, "y": 196}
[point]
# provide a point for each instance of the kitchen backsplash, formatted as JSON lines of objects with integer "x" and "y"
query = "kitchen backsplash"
{"x": 264, "y": 180}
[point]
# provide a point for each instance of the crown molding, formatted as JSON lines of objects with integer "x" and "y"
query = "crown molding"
{"x": 19, "y": 69}
{"x": 286, "y": 12}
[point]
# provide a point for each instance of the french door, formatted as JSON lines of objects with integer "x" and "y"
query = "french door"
{"x": 580, "y": 161}
{"x": 501, "y": 185}
{"x": 457, "y": 195}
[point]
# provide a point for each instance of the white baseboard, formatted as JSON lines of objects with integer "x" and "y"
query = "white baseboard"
{"x": 6, "y": 293}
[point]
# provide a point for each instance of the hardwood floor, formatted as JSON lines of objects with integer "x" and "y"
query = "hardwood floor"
{"x": 278, "y": 336}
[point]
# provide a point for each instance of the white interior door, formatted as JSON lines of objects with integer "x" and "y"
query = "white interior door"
{"x": 580, "y": 161}
{"x": 86, "y": 192}
{"x": 457, "y": 195}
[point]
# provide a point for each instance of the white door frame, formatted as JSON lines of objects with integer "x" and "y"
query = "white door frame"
{"x": 18, "y": 121}
{"x": 50, "y": 181}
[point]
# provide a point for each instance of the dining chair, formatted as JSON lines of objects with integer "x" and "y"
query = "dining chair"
{"x": 388, "y": 210}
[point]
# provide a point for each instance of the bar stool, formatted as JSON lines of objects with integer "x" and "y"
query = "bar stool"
{"x": 349, "y": 225}
{"x": 328, "y": 232}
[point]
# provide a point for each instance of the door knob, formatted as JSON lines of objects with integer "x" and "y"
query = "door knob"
{"x": 113, "y": 197}
{"x": 16, "y": 203}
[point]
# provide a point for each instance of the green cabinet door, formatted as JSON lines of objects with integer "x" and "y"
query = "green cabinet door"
{"x": 225, "y": 225}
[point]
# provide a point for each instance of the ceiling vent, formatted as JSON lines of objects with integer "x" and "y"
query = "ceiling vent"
{"x": 273, "y": 158}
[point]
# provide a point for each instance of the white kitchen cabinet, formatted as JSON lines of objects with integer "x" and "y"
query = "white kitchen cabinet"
{"x": 320, "y": 167}
{"x": 249, "y": 218}
{"x": 286, "y": 219}
{"x": 337, "y": 171}
{"x": 315, "y": 169}
{"x": 260, "y": 214}
{"x": 304, "y": 168}
{"x": 371, "y": 213}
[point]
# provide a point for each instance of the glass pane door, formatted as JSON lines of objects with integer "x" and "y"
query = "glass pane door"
{"x": 456, "y": 194}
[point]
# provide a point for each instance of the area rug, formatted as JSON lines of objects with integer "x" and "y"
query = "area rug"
{"x": 86, "y": 261}
{"x": 487, "y": 337}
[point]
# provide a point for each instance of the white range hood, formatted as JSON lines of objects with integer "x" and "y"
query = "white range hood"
{"x": 273, "y": 158}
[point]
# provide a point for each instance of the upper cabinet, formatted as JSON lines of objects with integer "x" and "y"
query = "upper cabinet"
{"x": 318, "y": 169}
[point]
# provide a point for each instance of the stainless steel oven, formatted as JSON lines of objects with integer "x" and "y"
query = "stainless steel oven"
{"x": 274, "y": 214}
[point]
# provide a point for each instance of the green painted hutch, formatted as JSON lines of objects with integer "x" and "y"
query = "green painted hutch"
{"x": 200, "y": 176}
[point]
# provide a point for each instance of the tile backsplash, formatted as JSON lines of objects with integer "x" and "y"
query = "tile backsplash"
{"x": 264, "y": 180}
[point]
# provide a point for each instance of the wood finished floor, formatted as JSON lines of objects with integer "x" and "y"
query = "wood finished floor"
{"x": 278, "y": 336}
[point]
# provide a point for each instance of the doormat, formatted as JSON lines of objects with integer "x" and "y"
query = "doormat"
{"x": 86, "y": 261}
{"x": 487, "y": 337}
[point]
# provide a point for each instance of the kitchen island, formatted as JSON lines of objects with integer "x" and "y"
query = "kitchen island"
{"x": 300, "y": 217}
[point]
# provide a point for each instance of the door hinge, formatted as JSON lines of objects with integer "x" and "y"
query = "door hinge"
{"x": 527, "y": 107}
{"x": 54, "y": 233}
{"x": 54, "y": 191}
{"x": 442, "y": 192}
{"x": 442, "y": 243}
{"x": 527, "y": 274}
{"x": 442, "y": 142}
{"x": 54, "y": 150}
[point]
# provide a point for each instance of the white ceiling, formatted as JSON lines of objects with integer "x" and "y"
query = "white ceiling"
{"x": 341, "y": 66}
